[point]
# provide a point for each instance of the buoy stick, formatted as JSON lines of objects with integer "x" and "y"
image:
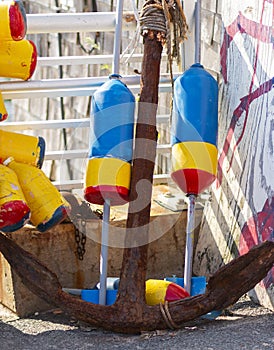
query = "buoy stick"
{"x": 106, "y": 213}
{"x": 189, "y": 242}
{"x": 104, "y": 254}
{"x": 117, "y": 37}
{"x": 198, "y": 31}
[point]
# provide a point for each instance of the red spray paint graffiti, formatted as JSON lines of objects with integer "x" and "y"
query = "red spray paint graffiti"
{"x": 258, "y": 229}
{"x": 263, "y": 34}
{"x": 260, "y": 226}
{"x": 243, "y": 25}
{"x": 242, "y": 107}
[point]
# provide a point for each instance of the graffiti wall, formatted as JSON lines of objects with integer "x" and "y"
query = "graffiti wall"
{"x": 241, "y": 212}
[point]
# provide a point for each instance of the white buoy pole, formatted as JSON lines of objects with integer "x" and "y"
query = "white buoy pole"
{"x": 189, "y": 242}
{"x": 117, "y": 37}
{"x": 106, "y": 213}
{"x": 104, "y": 253}
{"x": 191, "y": 199}
{"x": 198, "y": 31}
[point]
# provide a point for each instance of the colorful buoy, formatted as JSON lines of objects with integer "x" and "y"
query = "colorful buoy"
{"x": 111, "y": 125}
{"x": 14, "y": 211}
{"x": 17, "y": 59}
{"x": 13, "y": 21}
{"x": 32, "y": 152}
{"x": 194, "y": 130}
{"x": 48, "y": 207}
{"x": 159, "y": 291}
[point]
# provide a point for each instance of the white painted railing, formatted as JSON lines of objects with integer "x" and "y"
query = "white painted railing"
{"x": 77, "y": 22}
{"x": 52, "y": 88}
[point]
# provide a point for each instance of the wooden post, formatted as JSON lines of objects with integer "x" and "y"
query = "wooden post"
{"x": 132, "y": 283}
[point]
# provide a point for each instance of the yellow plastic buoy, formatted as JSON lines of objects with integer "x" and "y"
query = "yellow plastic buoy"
{"x": 32, "y": 152}
{"x": 47, "y": 205}
{"x": 14, "y": 211}
{"x": 17, "y": 59}
{"x": 159, "y": 291}
{"x": 13, "y": 20}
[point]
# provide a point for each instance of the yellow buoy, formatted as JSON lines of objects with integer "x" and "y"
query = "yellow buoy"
{"x": 32, "y": 152}
{"x": 47, "y": 205}
{"x": 17, "y": 59}
{"x": 14, "y": 211}
{"x": 159, "y": 291}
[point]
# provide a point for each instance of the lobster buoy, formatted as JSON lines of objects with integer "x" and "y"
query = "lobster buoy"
{"x": 18, "y": 59}
{"x": 159, "y": 291}
{"x": 23, "y": 148}
{"x": 47, "y": 206}
{"x": 111, "y": 141}
{"x": 14, "y": 211}
{"x": 13, "y": 21}
{"x": 194, "y": 130}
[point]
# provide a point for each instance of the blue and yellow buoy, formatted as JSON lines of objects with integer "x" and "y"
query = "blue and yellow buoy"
{"x": 194, "y": 130}
{"x": 112, "y": 122}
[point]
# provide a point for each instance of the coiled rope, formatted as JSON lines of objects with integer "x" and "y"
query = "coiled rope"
{"x": 167, "y": 18}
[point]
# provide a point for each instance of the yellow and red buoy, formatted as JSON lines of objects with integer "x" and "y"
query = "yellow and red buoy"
{"x": 13, "y": 21}
{"x": 47, "y": 205}
{"x": 14, "y": 211}
{"x": 18, "y": 56}
{"x": 159, "y": 291}
{"x": 18, "y": 59}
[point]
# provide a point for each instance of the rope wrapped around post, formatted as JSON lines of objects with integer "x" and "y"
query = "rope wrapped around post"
{"x": 167, "y": 18}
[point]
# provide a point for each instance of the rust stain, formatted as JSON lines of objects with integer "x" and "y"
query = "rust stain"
{"x": 79, "y": 276}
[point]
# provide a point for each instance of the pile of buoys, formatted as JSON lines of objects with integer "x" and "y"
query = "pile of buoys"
{"x": 26, "y": 194}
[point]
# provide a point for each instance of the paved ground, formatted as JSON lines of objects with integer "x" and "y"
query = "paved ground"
{"x": 245, "y": 326}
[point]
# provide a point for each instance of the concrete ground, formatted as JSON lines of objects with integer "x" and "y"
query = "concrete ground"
{"x": 244, "y": 326}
